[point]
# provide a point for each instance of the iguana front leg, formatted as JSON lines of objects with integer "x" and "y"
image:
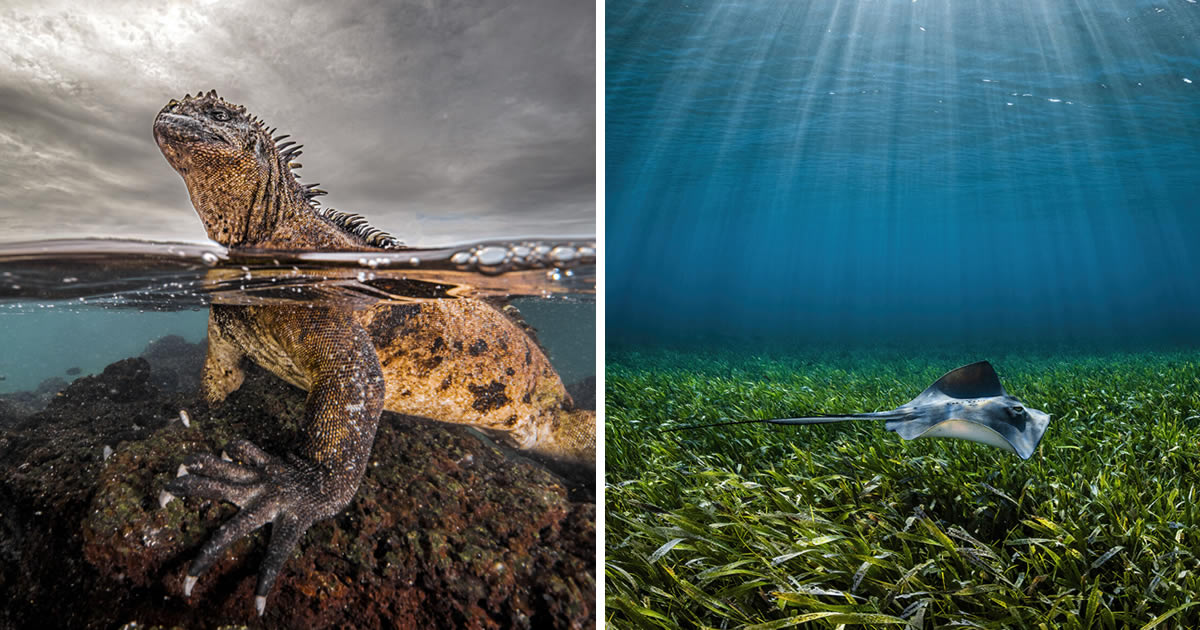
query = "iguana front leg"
{"x": 223, "y": 372}
{"x": 334, "y": 357}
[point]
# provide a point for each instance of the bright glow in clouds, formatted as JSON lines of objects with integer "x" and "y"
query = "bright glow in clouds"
{"x": 439, "y": 123}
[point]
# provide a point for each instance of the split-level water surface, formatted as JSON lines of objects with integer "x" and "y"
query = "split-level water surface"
{"x": 102, "y": 347}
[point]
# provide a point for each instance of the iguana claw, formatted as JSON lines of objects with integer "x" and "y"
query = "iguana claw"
{"x": 267, "y": 489}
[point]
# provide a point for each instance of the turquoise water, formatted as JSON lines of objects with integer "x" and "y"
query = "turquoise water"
{"x": 858, "y": 172}
{"x": 67, "y": 342}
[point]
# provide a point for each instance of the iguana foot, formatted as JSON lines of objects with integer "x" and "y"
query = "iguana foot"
{"x": 267, "y": 489}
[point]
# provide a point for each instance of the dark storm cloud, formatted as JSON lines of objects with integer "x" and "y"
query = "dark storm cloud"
{"x": 441, "y": 121}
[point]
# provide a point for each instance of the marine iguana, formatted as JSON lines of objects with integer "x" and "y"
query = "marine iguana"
{"x": 453, "y": 360}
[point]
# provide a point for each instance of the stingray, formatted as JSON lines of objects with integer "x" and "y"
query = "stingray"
{"x": 967, "y": 403}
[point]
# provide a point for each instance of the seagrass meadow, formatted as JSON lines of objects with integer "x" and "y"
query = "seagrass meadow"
{"x": 763, "y": 527}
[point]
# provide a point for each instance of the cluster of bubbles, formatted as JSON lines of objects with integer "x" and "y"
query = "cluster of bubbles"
{"x": 488, "y": 258}
{"x": 529, "y": 255}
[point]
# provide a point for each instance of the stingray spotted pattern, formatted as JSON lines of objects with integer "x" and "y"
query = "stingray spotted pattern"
{"x": 453, "y": 360}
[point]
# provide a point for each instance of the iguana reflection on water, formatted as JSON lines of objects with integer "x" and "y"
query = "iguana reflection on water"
{"x": 453, "y": 360}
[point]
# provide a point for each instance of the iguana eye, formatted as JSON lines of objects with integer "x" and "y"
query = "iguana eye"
{"x": 219, "y": 114}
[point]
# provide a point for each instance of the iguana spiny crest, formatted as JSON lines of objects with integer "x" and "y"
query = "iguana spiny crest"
{"x": 242, "y": 180}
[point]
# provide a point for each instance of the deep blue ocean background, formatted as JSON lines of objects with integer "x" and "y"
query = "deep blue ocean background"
{"x": 933, "y": 171}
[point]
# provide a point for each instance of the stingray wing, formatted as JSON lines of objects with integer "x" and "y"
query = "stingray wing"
{"x": 977, "y": 380}
{"x": 1023, "y": 439}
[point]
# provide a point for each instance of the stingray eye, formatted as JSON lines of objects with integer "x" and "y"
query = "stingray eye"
{"x": 1017, "y": 410}
{"x": 219, "y": 115}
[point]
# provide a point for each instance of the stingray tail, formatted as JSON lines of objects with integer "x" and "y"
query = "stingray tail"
{"x": 804, "y": 420}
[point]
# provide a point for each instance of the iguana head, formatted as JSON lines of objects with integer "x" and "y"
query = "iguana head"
{"x": 242, "y": 185}
{"x": 237, "y": 179}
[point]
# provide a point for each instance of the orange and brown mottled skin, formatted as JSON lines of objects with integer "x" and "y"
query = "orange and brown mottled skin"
{"x": 458, "y": 361}
{"x": 454, "y": 360}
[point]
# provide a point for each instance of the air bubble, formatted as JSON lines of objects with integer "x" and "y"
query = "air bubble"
{"x": 209, "y": 258}
{"x": 491, "y": 255}
{"x": 562, "y": 254}
{"x": 461, "y": 258}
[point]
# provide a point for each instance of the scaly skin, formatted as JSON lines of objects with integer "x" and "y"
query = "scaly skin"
{"x": 453, "y": 360}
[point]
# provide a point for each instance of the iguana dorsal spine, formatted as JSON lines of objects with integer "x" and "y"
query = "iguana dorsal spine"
{"x": 232, "y": 160}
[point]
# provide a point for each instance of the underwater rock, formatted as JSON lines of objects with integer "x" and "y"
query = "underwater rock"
{"x": 584, "y": 393}
{"x": 19, "y": 405}
{"x": 49, "y": 465}
{"x": 445, "y": 531}
{"x": 49, "y": 387}
{"x": 125, "y": 381}
{"x": 176, "y": 364}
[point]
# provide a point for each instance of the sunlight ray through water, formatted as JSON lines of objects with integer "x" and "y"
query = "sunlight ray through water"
{"x": 922, "y": 168}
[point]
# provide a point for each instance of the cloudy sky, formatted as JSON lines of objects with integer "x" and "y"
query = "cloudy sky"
{"x": 441, "y": 121}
